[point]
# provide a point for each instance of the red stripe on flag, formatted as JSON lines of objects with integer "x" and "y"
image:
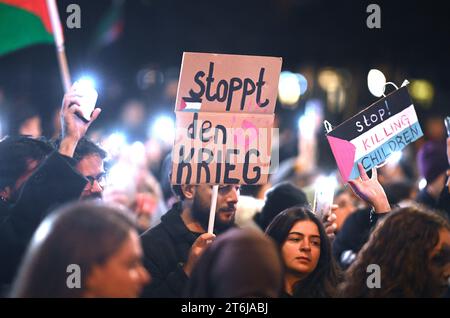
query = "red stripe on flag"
{"x": 37, "y": 7}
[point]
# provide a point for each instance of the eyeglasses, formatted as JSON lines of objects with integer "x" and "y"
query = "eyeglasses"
{"x": 100, "y": 178}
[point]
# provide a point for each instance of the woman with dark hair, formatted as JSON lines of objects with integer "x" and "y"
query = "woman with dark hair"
{"x": 83, "y": 250}
{"x": 310, "y": 269}
{"x": 412, "y": 250}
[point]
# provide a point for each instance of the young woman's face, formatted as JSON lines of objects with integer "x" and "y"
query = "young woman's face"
{"x": 122, "y": 275}
{"x": 301, "y": 250}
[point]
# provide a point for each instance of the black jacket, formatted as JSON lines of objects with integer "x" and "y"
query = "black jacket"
{"x": 55, "y": 182}
{"x": 166, "y": 248}
{"x": 354, "y": 234}
{"x": 425, "y": 198}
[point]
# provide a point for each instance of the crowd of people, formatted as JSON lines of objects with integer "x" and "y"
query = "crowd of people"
{"x": 67, "y": 230}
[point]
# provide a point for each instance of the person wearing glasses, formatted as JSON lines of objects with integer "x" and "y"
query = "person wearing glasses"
{"x": 59, "y": 178}
{"x": 89, "y": 163}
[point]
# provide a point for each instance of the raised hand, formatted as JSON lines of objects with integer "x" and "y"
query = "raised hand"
{"x": 73, "y": 127}
{"x": 370, "y": 190}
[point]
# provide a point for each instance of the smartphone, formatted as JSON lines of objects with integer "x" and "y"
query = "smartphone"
{"x": 88, "y": 96}
{"x": 323, "y": 200}
{"x": 447, "y": 124}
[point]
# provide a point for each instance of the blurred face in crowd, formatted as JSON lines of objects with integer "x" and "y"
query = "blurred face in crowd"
{"x": 346, "y": 206}
{"x": 435, "y": 128}
{"x": 301, "y": 250}
{"x": 440, "y": 260}
{"x": 91, "y": 167}
{"x": 227, "y": 199}
{"x": 122, "y": 275}
{"x": 31, "y": 127}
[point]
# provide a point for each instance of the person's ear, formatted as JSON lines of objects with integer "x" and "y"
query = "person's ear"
{"x": 188, "y": 191}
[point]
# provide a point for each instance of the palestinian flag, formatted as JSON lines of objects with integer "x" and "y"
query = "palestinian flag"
{"x": 23, "y": 23}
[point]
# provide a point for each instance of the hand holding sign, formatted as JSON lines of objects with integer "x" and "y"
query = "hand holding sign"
{"x": 374, "y": 134}
{"x": 224, "y": 109}
{"x": 200, "y": 244}
{"x": 370, "y": 190}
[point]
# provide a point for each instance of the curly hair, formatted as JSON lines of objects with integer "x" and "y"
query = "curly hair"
{"x": 323, "y": 281}
{"x": 401, "y": 246}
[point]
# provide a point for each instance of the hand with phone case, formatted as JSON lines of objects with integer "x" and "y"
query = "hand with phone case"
{"x": 74, "y": 125}
{"x": 87, "y": 97}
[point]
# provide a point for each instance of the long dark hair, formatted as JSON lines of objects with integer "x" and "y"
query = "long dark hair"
{"x": 84, "y": 234}
{"x": 401, "y": 247}
{"x": 323, "y": 281}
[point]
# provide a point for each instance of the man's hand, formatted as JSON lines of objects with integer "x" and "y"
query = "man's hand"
{"x": 370, "y": 190}
{"x": 196, "y": 251}
{"x": 73, "y": 127}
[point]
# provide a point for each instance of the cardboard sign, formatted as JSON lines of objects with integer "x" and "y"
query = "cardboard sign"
{"x": 376, "y": 132}
{"x": 224, "y": 111}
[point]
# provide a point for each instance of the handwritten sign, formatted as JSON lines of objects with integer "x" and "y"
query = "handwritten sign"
{"x": 224, "y": 111}
{"x": 376, "y": 132}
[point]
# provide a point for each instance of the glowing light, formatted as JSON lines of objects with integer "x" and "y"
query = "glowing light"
{"x": 422, "y": 184}
{"x": 303, "y": 83}
{"x": 329, "y": 80}
{"x": 312, "y": 117}
{"x": 137, "y": 152}
{"x": 376, "y": 82}
{"x": 121, "y": 176}
{"x": 422, "y": 91}
{"x": 42, "y": 231}
{"x": 326, "y": 182}
{"x": 164, "y": 129}
{"x": 114, "y": 143}
{"x": 395, "y": 158}
{"x": 87, "y": 82}
{"x": 307, "y": 125}
{"x": 291, "y": 86}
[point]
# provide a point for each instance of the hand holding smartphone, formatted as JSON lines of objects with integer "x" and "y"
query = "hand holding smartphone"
{"x": 88, "y": 97}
